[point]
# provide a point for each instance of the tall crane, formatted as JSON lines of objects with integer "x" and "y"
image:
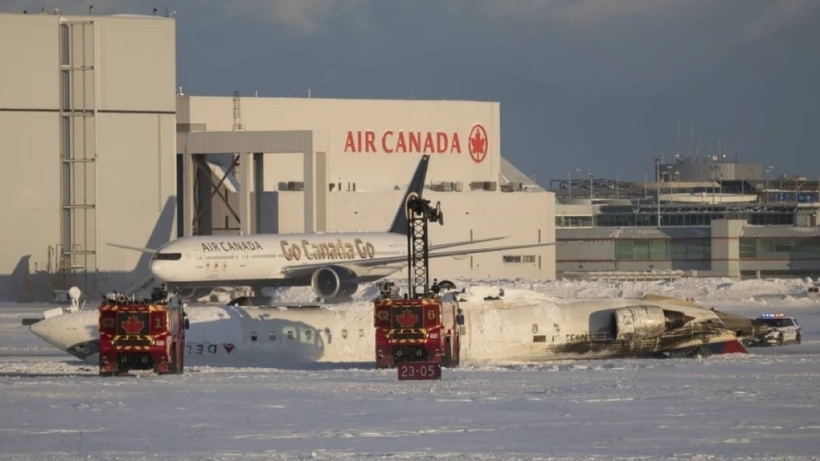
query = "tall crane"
{"x": 419, "y": 213}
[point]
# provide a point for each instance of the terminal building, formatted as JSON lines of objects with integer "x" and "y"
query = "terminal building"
{"x": 106, "y": 148}
{"x": 733, "y": 223}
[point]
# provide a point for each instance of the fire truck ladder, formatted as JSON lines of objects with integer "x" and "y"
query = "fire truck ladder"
{"x": 419, "y": 212}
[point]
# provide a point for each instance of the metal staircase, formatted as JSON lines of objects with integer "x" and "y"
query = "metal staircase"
{"x": 78, "y": 151}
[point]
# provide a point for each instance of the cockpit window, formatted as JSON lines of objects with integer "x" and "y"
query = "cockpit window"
{"x": 168, "y": 256}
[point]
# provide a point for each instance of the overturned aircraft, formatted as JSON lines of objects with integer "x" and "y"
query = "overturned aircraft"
{"x": 495, "y": 330}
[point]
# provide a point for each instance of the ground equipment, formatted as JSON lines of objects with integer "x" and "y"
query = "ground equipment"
{"x": 146, "y": 334}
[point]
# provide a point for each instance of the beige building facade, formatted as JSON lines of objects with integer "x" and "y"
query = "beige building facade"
{"x": 87, "y": 135}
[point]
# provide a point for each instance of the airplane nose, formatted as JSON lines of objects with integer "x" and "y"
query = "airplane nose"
{"x": 158, "y": 270}
{"x": 66, "y": 330}
{"x": 45, "y": 330}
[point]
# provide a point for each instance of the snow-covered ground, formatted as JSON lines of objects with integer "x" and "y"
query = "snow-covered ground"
{"x": 764, "y": 405}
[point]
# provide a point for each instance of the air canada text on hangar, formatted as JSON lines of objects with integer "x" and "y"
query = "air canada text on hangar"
{"x": 399, "y": 141}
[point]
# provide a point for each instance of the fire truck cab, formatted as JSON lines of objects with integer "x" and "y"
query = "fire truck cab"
{"x": 424, "y": 329}
{"x": 142, "y": 334}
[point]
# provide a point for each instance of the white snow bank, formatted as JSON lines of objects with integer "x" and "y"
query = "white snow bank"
{"x": 714, "y": 291}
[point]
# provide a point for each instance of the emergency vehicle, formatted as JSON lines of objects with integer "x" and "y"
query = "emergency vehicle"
{"x": 423, "y": 329}
{"x": 782, "y": 329}
{"x": 144, "y": 334}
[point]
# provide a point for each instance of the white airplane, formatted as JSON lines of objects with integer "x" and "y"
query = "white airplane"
{"x": 526, "y": 329}
{"x": 333, "y": 264}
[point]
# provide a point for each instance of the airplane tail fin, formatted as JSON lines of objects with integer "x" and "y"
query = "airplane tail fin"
{"x": 416, "y": 187}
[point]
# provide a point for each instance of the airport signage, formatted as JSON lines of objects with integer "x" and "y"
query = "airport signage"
{"x": 419, "y": 142}
{"x": 418, "y": 370}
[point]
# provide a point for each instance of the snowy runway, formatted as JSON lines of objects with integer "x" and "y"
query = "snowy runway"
{"x": 764, "y": 405}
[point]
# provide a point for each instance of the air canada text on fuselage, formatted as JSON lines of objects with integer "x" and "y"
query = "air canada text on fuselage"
{"x": 250, "y": 245}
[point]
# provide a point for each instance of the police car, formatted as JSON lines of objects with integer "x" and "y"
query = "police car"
{"x": 782, "y": 329}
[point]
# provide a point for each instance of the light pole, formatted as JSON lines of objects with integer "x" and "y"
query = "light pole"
{"x": 590, "y": 185}
{"x": 658, "y": 161}
{"x": 766, "y": 173}
{"x": 569, "y": 180}
{"x": 713, "y": 169}
{"x": 797, "y": 190}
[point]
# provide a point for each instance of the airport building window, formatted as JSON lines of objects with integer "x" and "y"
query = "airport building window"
{"x": 779, "y": 248}
{"x": 660, "y": 250}
{"x": 573, "y": 221}
{"x": 529, "y": 259}
{"x": 682, "y": 215}
{"x": 748, "y": 248}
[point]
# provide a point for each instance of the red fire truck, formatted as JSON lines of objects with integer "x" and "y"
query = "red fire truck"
{"x": 142, "y": 334}
{"x": 417, "y": 330}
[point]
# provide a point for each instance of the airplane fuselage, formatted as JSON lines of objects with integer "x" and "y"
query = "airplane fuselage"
{"x": 493, "y": 332}
{"x": 258, "y": 259}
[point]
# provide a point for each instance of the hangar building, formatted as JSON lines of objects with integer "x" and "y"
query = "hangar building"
{"x": 365, "y": 154}
{"x": 87, "y": 135}
{"x": 104, "y": 151}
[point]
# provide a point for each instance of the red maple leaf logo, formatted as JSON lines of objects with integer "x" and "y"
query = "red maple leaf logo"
{"x": 478, "y": 143}
{"x": 407, "y": 319}
{"x": 133, "y": 326}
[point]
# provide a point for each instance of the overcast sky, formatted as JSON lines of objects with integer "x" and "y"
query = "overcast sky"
{"x": 593, "y": 84}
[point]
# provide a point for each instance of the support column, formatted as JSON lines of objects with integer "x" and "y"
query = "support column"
{"x": 310, "y": 191}
{"x": 245, "y": 187}
{"x": 726, "y": 247}
{"x": 259, "y": 189}
{"x": 203, "y": 220}
{"x": 321, "y": 192}
{"x": 187, "y": 199}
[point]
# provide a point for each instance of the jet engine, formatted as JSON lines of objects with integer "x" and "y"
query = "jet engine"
{"x": 334, "y": 283}
{"x": 639, "y": 322}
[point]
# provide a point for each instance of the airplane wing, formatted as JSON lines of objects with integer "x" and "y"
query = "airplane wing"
{"x": 432, "y": 247}
{"x": 296, "y": 270}
{"x": 128, "y": 247}
{"x": 463, "y": 242}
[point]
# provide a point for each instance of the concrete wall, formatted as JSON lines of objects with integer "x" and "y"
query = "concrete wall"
{"x": 110, "y": 111}
{"x": 345, "y": 120}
